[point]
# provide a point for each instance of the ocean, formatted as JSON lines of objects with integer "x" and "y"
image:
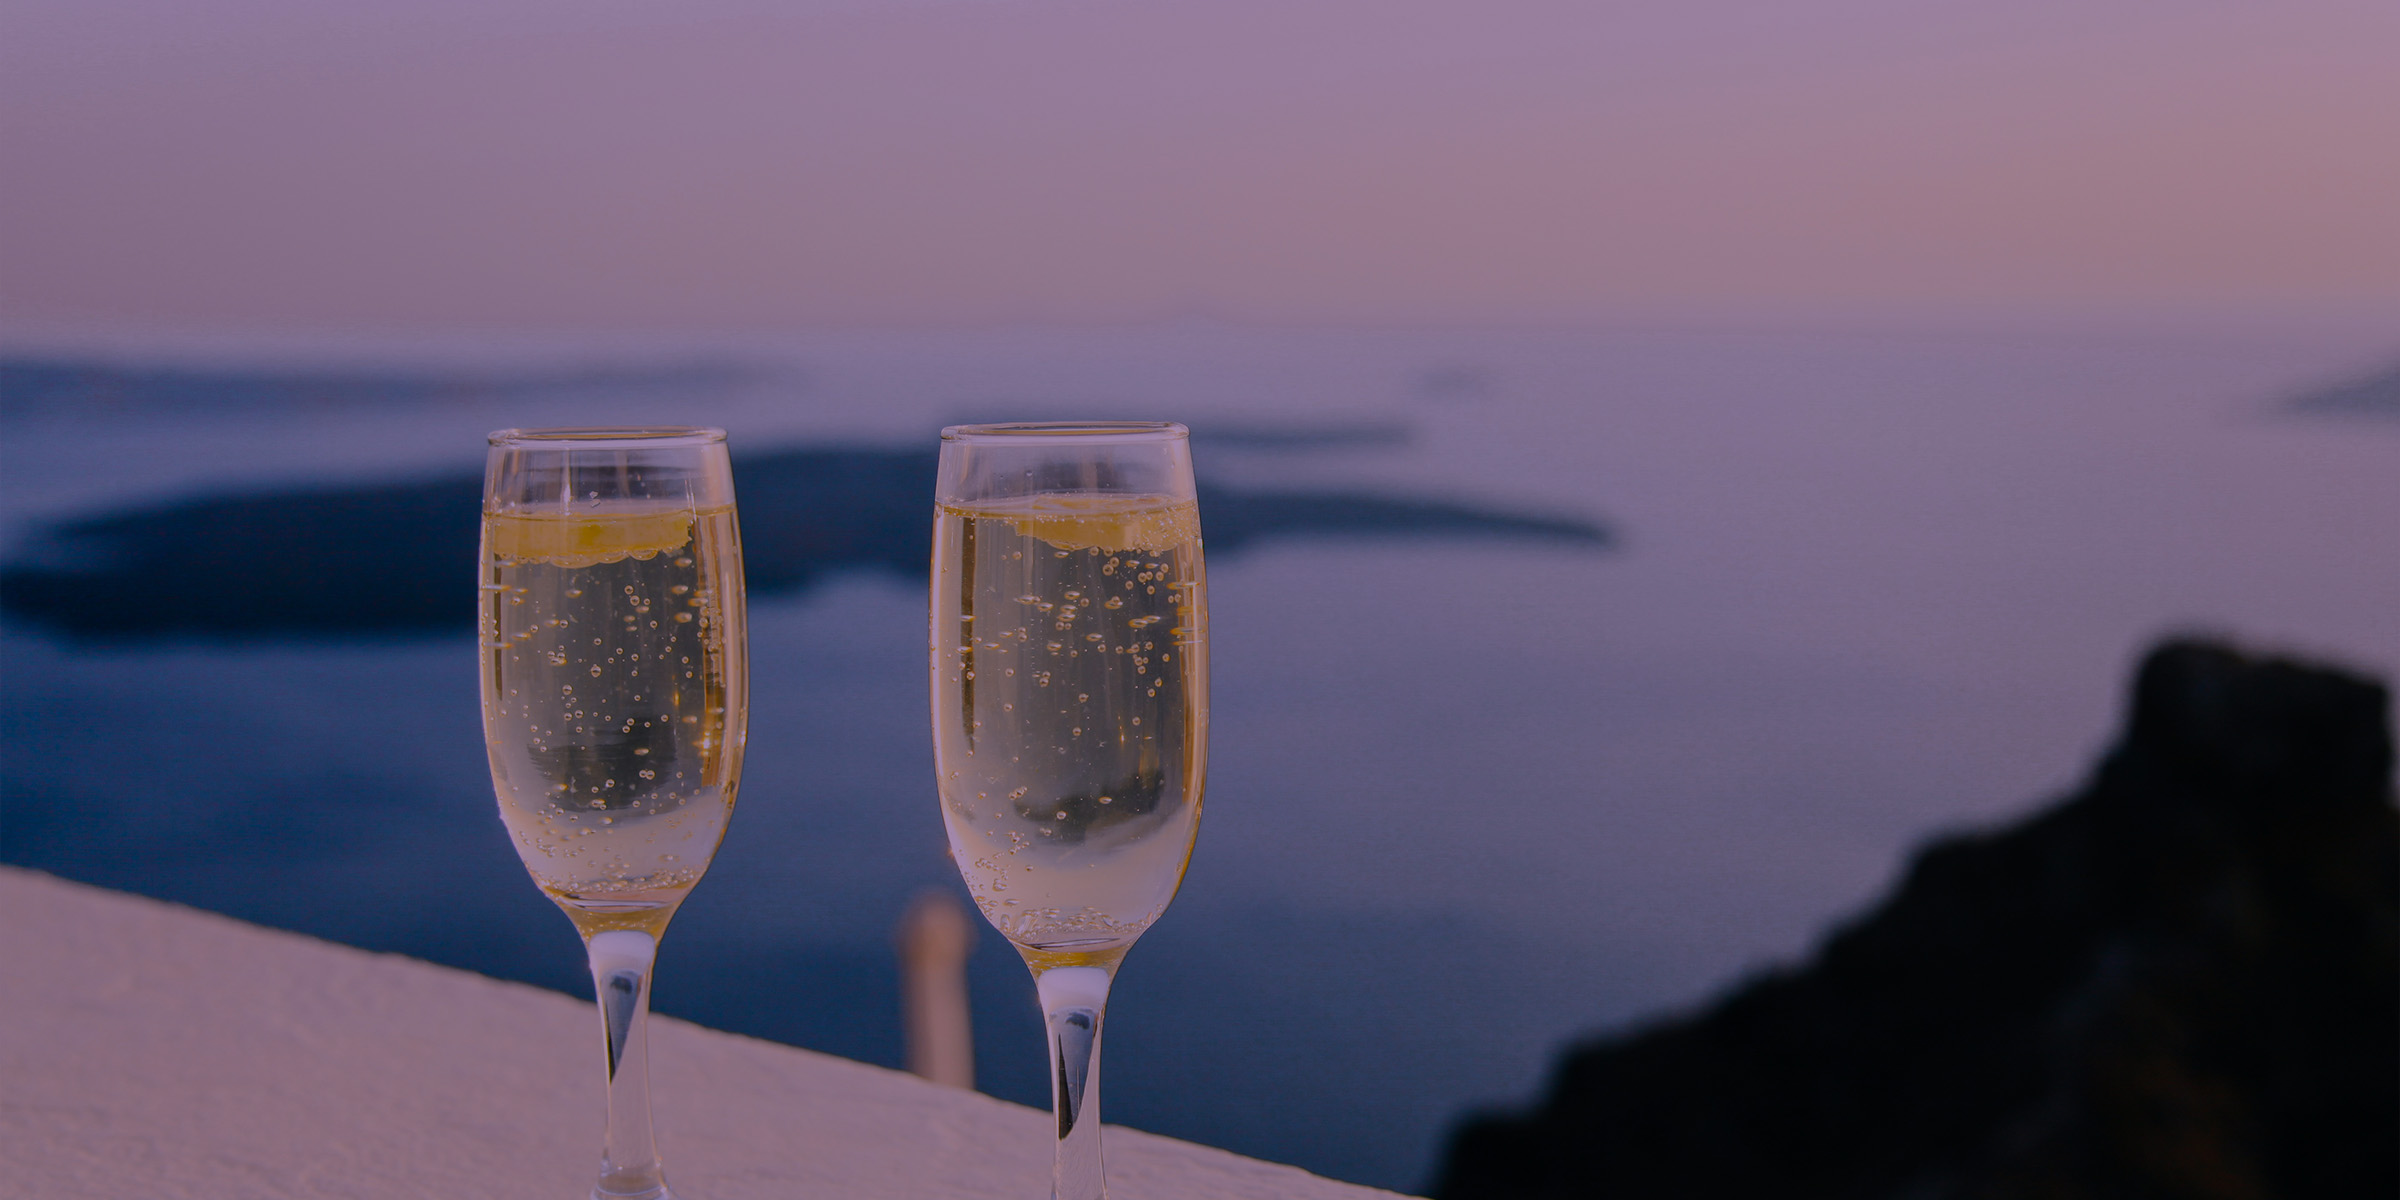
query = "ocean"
{"x": 1561, "y": 677}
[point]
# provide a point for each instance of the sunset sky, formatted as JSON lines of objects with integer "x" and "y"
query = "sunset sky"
{"x": 745, "y": 164}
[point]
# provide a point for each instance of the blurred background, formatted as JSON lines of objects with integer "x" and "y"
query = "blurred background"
{"x": 1777, "y": 428}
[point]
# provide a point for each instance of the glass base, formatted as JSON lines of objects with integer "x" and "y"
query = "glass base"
{"x": 639, "y": 1184}
{"x": 660, "y": 1192}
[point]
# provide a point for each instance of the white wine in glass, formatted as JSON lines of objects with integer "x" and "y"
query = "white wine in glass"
{"x": 1070, "y": 711}
{"x": 614, "y": 704}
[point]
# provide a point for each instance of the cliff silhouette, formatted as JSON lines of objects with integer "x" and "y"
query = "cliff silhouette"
{"x": 2182, "y": 981}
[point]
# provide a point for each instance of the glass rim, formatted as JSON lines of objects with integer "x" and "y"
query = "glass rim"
{"x": 1109, "y": 431}
{"x": 613, "y": 437}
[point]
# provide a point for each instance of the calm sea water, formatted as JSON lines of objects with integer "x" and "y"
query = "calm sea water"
{"x": 1474, "y": 794}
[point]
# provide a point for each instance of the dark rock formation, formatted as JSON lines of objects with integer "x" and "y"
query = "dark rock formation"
{"x": 2182, "y": 981}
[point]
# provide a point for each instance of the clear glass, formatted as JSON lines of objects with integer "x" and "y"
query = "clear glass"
{"x": 615, "y": 699}
{"x": 1070, "y": 712}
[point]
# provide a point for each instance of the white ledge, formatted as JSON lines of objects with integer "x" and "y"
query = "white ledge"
{"x": 157, "y": 1051}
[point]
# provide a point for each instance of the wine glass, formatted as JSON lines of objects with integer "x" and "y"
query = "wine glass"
{"x": 615, "y": 697}
{"x": 1070, "y": 711}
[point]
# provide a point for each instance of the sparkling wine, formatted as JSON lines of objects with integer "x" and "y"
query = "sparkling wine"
{"x": 1070, "y": 702}
{"x": 613, "y": 711}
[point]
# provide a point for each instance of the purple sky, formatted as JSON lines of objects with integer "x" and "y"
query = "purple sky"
{"x": 540, "y": 164}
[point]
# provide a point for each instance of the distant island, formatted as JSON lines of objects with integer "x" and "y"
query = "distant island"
{"x": 398, "y": 558}
{"x": 2370, "y": 395}
{"x": 35, "y": 385}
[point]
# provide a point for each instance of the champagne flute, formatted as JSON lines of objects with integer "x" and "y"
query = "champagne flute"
{"x": 615, "y": 698}
{"x": 1070, "y": 711}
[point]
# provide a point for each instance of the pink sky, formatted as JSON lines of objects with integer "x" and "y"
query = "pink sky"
{"x": 712, "y": 164}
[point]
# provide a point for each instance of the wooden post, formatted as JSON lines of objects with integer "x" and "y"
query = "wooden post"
{"x": 934, "y": 937}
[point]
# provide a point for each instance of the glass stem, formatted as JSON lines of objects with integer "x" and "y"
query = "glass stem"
{"x": 1073, "y": 1001}
{"x": 629, "y": 1167}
